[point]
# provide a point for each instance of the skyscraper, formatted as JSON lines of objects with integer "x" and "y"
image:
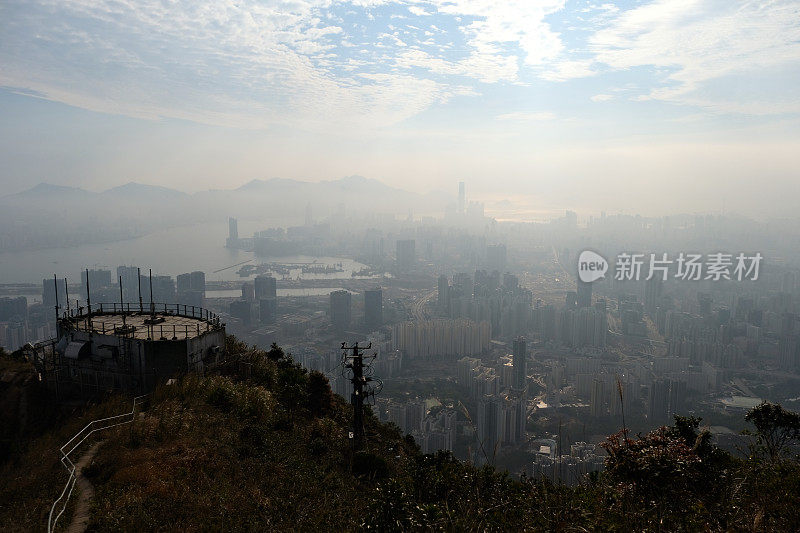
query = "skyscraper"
{"x": 267, "y": 310}
{"x": 462, "y": 197}
{"x": 571, "y": 300}
{"x": 98, "y": 279}
{"x": 584, "y": 294}
{"x": 489, "y": 425}
{"x": 266, "y": 287}
{"x": 130, "y": 281}
{"x": 597, "y": 405}
{"x": 520, "y": 363}
{"x": 183, "y": 283}
{"x": 510, "y": 281}
{"x": 373, "y": 307}
{"x": 658, "y": 406}
{"x": 340, "y": 309}
{"x": 406, "y": 255}
{"x": 652, "y": 294}
{"x": 243, "y": 310}
{"x": 444, "y": 297}
{"x": 15, "y": 308}
{"x": 233, "y": 233}
{"x": 496, "y": 257}
{"x": 233, "y": 228}
{"x": 163, "y": 289}
{"x": 199, "y": 281}
{"x": 49, "y": 292}
{"x": 193, "y": 281}
{"x": 248, "y": 291}
{"x": 192, "y": 288}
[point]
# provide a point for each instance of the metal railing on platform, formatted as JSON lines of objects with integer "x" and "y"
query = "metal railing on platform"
{"x": 183, "y": 310}
{"x": 73, "y": 444}
{"x": 79, "y": 319}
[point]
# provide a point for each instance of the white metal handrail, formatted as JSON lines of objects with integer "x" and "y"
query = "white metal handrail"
{"x": 72, "y": 444}
{"x": 129, "y": 308}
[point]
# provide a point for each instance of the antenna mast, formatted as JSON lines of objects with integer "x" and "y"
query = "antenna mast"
{"x": 355, "y": 362}
{"x": 122, "y": 305}
{"x": 139, "y": 277}
{"x": 55, "y": 285}
{"x": 152, "y": 304}
{"x": 88, "y": 302}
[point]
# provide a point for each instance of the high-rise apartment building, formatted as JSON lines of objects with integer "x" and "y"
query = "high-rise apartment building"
{"x": 340, "y": 310}
{"x": 265, "y": 287}
{"x": 373, "y": 308}
{"x": 520, "y": 363}
{"x": 406, "y": 254}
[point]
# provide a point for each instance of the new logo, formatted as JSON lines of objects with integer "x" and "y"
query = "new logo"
{"x": 591, "y": 266}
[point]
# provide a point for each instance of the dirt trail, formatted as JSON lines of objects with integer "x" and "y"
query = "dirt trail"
{"x": 85, "y": 490}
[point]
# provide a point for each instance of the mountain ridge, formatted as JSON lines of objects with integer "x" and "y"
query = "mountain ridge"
{"x": 353, "y": 182}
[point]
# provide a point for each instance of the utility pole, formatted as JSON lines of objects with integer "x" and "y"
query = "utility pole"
{"x": 88, "y": 303}
{"x": 355, "y": 361}
{"x": 152, "y": 303}
{"x": 139, "y": 278}
{"x": 55, "y": 285}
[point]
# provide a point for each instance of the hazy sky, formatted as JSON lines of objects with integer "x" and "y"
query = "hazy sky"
{"x": 642, "y": 106}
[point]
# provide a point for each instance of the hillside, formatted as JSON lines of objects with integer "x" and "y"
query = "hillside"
{"x": 25, "y": 413}
{"x": 262, "y": 444}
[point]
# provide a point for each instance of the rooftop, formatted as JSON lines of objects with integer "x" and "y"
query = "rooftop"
{"x": 168, "y": 322}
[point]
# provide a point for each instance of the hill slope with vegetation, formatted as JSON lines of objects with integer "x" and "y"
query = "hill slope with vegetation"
{"x": 263, "y": 444}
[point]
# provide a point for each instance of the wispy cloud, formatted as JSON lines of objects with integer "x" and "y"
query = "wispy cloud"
{"x": 237, "y": 63}
{"x": 693, "y": 43}
{"x": 567, "y": 70}
{"x": 337, "y": 64}
{"x": 487, "y": 68}
{"x": 539, "y": 116}
{"x": 509, "y": 21}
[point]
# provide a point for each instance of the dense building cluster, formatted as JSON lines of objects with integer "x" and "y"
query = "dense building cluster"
{"x": 441, "y": 338}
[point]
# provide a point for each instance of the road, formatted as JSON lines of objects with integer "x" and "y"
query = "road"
{"x": 419, "y": 310}
{"x": 557, "y": 260}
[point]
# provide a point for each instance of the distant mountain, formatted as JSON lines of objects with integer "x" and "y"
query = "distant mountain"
{"x": 129, "y": 191}
{"x": 283, "y": 196}
{"x": 361, "y": 184}
{"x": 133, "y": 189}
{"x": 347, "y": 184}
{"x": 273, "y": 183}
{"x": 48, "y": 215}
{"x": 47, "y": 191}
{"x": 328, "y": 190}
{"x": 56, "y": 214}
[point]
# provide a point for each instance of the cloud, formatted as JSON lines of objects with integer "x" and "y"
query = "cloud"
{"x": 238, "y": 63}
{"x": 500, "y": 37}
{"x": 418, "y": 11}
{"x": 540, "y": 116}
{"x": 333, "y": 64}
{"x": 509, "y": 21}
{"x": 567, "y": 70}
{"x": 487, "y": 68}
{"x": 693, "y": 43}
{"x": 602, "y": 97}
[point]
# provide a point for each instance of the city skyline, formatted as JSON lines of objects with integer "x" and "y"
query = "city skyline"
{"x": 344, "y": 265}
